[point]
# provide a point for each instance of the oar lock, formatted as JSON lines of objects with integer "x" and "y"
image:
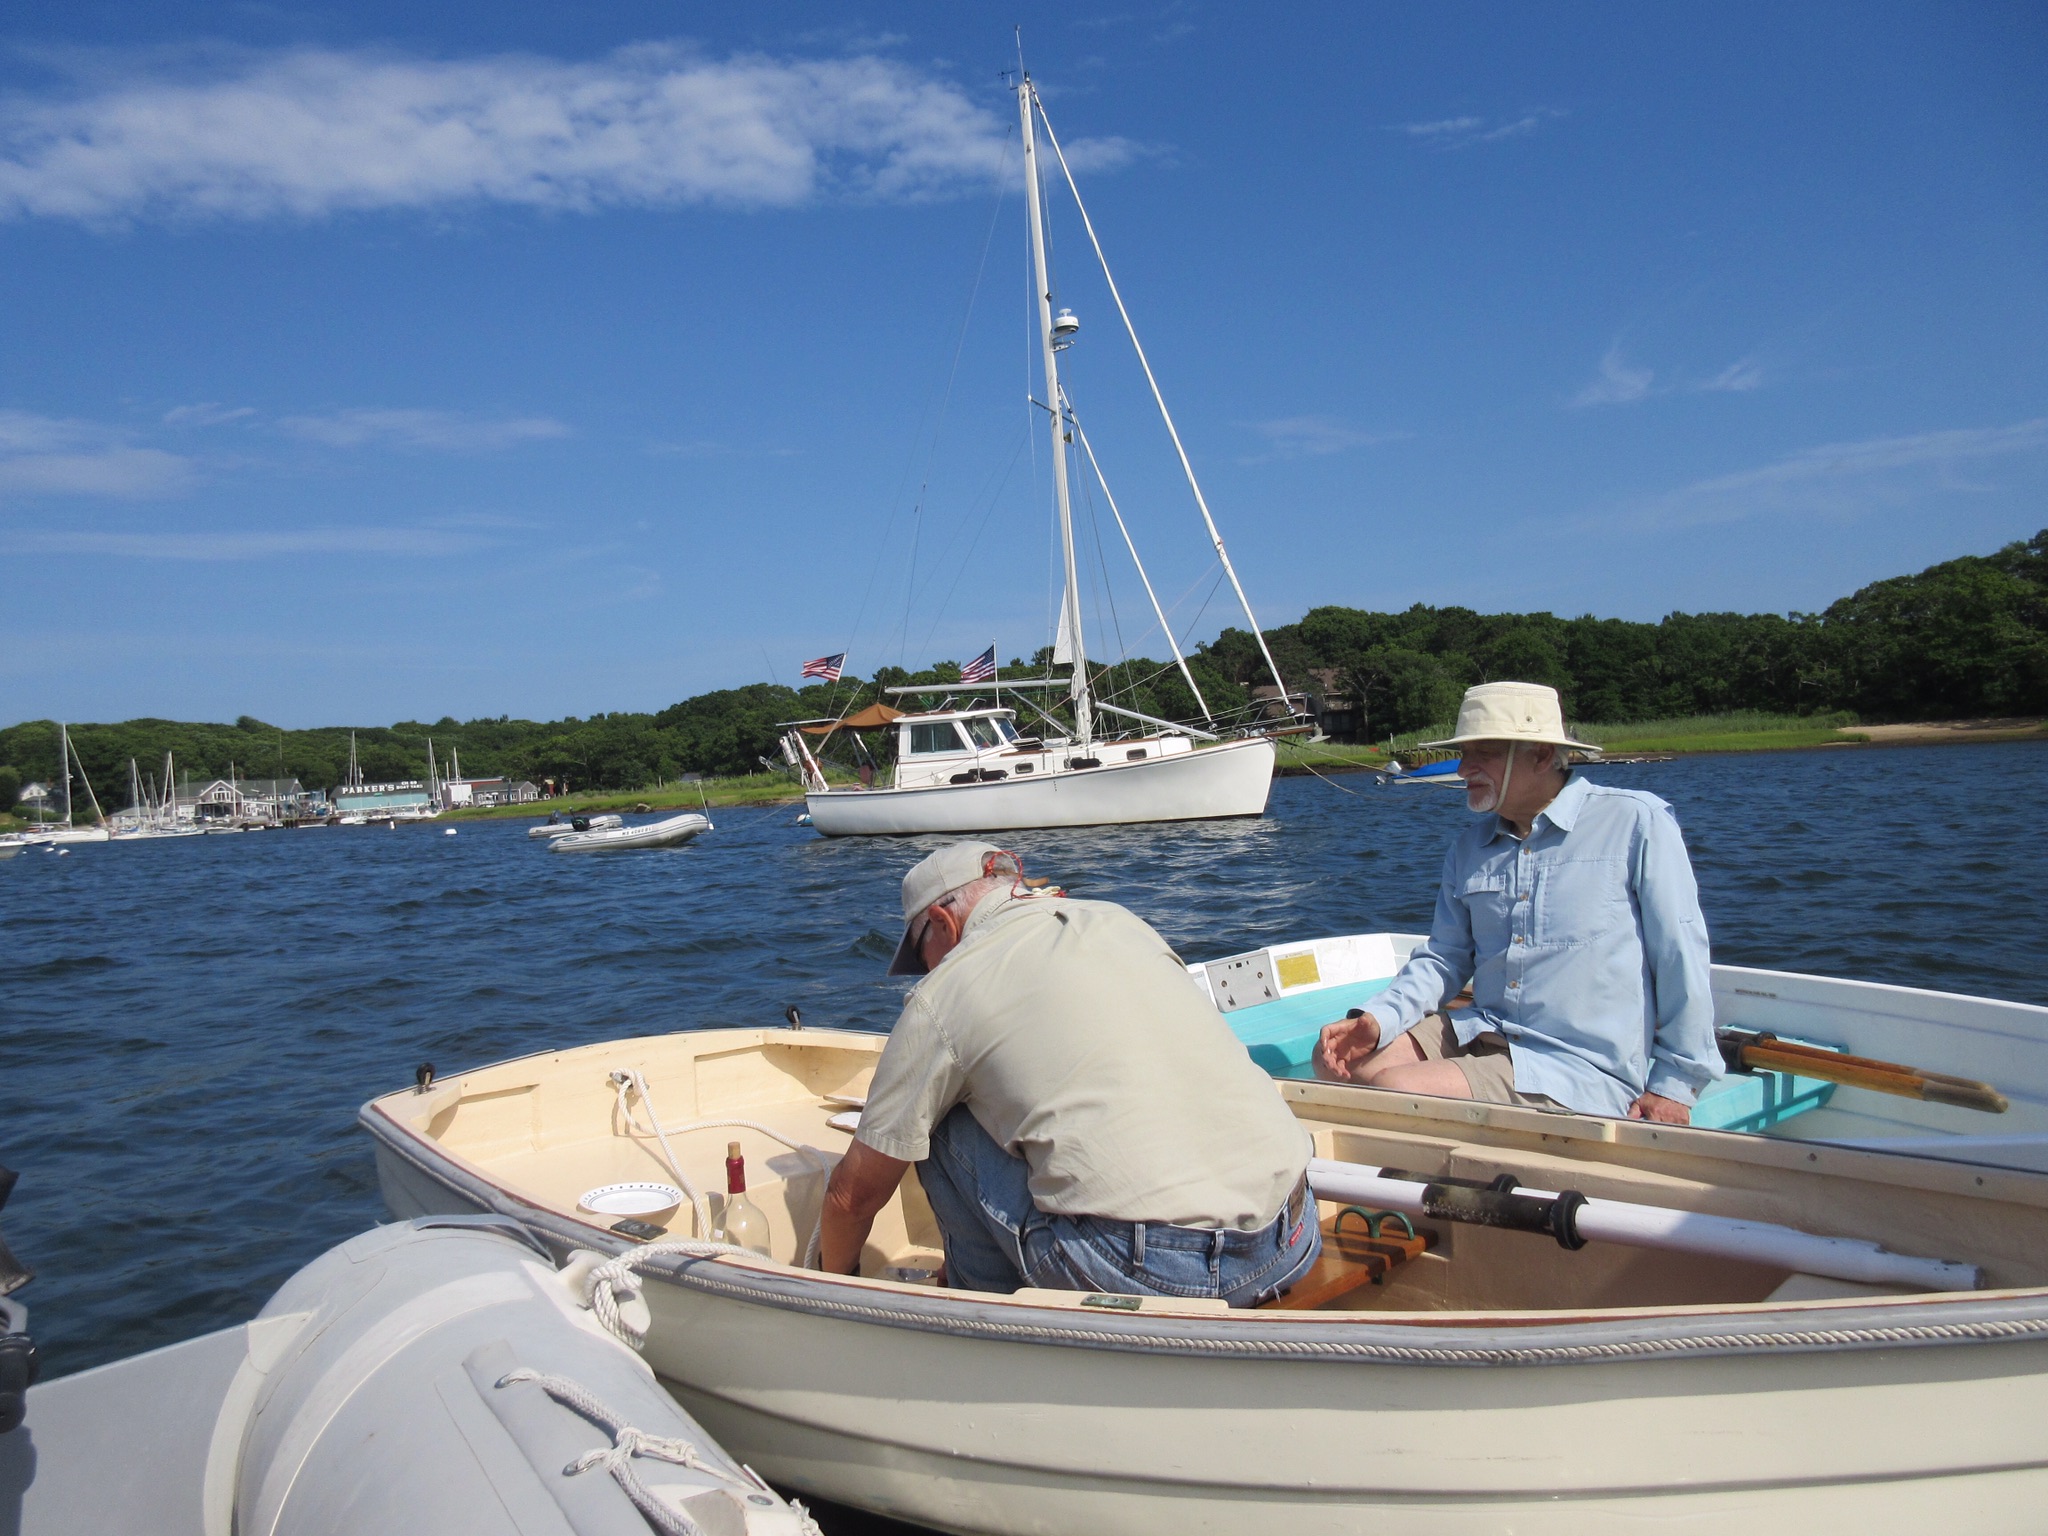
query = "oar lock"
{"x": 1495, "y": 1203}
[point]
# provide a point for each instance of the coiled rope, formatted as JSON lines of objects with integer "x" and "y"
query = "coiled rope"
{"x": 629, "y": 1442}
{"x": 632, "y": 1084}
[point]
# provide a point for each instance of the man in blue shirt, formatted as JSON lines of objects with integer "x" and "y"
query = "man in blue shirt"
{"x": 1571, "y": 908}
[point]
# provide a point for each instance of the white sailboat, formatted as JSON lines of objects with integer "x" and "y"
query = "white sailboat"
{"x": 65, "y": 831}
{"x": 972, "y": 769}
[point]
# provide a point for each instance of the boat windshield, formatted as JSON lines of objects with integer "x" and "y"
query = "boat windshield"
{"x": 984, "y": 732}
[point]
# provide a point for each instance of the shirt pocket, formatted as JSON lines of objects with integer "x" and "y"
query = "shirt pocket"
{"x": 1579, "y": 900}
{"x": 1488, "y": 903}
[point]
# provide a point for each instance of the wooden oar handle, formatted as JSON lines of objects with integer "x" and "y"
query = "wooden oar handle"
{"x": 1764, "y": 1053}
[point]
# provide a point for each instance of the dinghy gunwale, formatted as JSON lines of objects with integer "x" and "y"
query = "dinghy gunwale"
{"x": 2004, "y": 1313}
{"x": 1565, "y": 1336}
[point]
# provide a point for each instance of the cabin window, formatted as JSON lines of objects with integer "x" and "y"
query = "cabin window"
{"x": 935, "y": 736}
{"x": 1007, "y": 727}
{"x": 984, "y": 732}
{"x": 1023, "y": 768}
{"x": 1135, "y": 754}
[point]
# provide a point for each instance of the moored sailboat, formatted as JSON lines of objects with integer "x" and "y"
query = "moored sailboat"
{"x": 66, "y": 831}
{"x": 973, "y": 769}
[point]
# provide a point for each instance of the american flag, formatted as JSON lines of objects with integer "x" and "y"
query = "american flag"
{"x": 981, "y": 669}
{"x": 826, "y": 667}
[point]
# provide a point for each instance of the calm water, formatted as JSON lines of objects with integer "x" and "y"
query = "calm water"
{"x": 187, "y": 1027}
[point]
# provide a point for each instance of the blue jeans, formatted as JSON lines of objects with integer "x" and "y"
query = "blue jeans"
{"x": 997, "y": 1239}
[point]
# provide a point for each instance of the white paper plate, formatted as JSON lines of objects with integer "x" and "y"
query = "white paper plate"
{"x": 631, "y": 1199}
{"x": 847, "y": 1121}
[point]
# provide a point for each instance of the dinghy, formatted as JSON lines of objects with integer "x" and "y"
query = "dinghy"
{"x": 1528, "y": 1321}
{"x": 671, "y": 833}
{"x": 576, "y": 824}
{"x": 1811, "y": 1058}
{"x": 430, "y": 1377}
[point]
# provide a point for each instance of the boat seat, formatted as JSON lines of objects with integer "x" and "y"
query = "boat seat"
{"x": 1360, "y": 1248}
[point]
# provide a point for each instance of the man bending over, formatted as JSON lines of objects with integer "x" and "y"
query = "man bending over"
{"x": 1080, "y": 1116}
{"x": 1572, "y": 910}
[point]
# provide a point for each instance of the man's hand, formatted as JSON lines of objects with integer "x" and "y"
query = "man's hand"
{"x": 860, "y": 1186}
{"x": 1653, "y": 1106}
{"x": 1344, "y": 1045}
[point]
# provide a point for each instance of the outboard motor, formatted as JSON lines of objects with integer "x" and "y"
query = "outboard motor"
{"x": 19, "y": 1363}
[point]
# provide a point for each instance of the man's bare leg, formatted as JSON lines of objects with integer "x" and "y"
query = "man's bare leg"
{"x": 1400, "y": 1065}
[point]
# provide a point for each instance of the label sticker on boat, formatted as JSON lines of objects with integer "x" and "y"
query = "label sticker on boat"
{"x": 1297, "y": 970}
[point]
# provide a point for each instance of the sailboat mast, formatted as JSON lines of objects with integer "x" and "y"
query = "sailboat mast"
{"x": 1070, "y": 606}
{"x": 64, "y": 758}
{"x": 1159, "y": 399}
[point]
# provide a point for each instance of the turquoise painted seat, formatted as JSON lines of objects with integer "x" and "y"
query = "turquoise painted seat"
{"x": 1281, "y": 1036}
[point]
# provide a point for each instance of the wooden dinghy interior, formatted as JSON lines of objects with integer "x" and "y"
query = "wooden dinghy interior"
{"x": 1743, "y": 1221}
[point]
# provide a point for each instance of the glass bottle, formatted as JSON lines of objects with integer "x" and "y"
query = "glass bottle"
{"x": 741, "y": 1223}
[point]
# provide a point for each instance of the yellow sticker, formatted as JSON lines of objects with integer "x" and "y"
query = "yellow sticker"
{"x": 1298, "y": 970}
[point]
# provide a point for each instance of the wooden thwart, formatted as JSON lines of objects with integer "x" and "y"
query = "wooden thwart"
{"x": 1353, "y": 1258}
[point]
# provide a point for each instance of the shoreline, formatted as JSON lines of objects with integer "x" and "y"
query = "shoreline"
{"x": 1330, "y": 758}
{"x": 1920, "y": 733}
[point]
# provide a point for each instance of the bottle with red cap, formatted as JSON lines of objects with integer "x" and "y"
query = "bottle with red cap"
{"x": 741, "y": 1223}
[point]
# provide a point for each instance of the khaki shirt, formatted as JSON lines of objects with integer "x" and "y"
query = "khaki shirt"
{"x": 1076, "y": 1038}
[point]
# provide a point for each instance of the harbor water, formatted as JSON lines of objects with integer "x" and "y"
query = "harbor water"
{"x": 188, "y": 1026}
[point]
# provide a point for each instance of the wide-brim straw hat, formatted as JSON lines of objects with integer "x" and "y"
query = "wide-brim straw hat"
{"x": 1512, "y": 712}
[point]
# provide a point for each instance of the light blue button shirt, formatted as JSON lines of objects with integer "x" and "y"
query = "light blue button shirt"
{"x": 1585, "y": 948}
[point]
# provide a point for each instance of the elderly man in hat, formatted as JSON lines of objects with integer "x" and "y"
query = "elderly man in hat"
{"x": 1080, "y": 1116}
{"x": 1571, "y": 909}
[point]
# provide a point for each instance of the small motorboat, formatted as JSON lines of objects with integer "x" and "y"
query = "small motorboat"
{"x": 549, "y": 829}
{"x": 669, "y": 833}
{"x": 1811, "y": 1058}
{"x": 1545, "y": 1322}
{"x": 1443, "y": 774}
{"x": 424, "y": 1378}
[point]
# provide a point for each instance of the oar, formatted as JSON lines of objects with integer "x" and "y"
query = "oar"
{"x": 1765, "y": 1052}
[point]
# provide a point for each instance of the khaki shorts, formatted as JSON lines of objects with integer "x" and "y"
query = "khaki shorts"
{"x": 1489, "y": 1069}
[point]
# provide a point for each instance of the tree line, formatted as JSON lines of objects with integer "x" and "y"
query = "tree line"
{"x": 1966, "y": 637}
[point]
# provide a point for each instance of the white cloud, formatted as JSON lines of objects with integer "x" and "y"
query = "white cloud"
{"x": 446, "y": 431}
{"x": 52, "y": 456}
{"x": 1303, "y": 437}
{"x": 257, "y": 544}
{"x": 311, "y": 133}
{"x": 1618, "y": 384}
{"x": 1456, "y": 132}
{"x": 1845, "y": 478}
{"x": 1737, "y": 378}
{"x": 208, "y": 413}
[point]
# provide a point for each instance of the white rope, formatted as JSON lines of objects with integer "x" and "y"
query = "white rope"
{"x": 629, "y": 1442}
{"x": 701, "y": 1208}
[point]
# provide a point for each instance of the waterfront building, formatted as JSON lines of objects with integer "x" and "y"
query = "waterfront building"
{"x": 482, "y": 792}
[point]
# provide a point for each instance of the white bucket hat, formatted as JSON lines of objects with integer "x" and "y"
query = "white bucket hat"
{"x": 1512, "y": 712}
{"x": 953, "y": 866}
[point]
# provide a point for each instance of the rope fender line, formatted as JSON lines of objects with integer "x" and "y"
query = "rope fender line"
{"x": 1798, "y": 1341}
{"x": 628, "y": 1441}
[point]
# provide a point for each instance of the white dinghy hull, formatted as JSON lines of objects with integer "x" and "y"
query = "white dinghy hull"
{"x": 371, "y": 1395}
{"x": 671, "y": 833}
{"x": 1232, "y": 778}
{"x": 1495, "y": 1382}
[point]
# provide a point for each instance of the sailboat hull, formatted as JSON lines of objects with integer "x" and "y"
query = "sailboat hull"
{"x": 1230, "y": 779}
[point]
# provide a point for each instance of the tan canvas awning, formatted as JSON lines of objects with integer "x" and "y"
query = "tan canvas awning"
{"x": 865, "y": 720}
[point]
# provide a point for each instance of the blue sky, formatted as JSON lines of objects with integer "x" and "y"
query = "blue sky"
{"x": 367, "y": 362}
